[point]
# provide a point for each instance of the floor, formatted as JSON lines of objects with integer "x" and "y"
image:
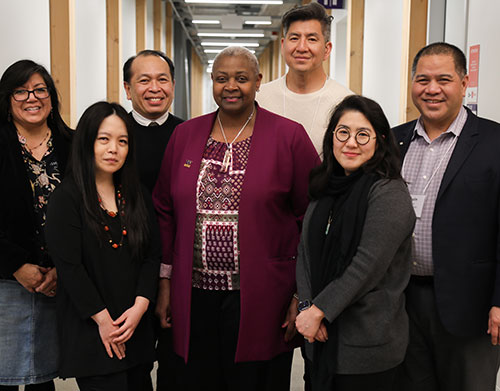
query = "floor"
{"x": 297, "y": 382}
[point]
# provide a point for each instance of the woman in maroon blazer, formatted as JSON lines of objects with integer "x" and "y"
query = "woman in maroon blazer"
{"x": 230, "y": 197}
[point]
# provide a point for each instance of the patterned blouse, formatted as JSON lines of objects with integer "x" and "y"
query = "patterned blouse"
{"x": 216, "y": 248}
{"x": 44, "y": 176}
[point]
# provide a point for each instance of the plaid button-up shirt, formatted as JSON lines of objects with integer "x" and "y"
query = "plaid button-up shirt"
{"x": 423, "y": 169}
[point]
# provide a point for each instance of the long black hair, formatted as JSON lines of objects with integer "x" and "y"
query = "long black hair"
{"x": 82, "y": 169}
{"x": 15, "y": 76}
{"x": 385, "y": 161}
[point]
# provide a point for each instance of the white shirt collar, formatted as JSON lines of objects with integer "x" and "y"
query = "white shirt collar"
{"x": 141, "y": 120}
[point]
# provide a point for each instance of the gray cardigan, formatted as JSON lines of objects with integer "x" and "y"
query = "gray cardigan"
{"x": 367, "y": 301}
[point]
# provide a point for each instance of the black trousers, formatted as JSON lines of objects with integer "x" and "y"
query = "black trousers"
{"x": 380, "y": 381}
{"x": 47, "y": 386}
{"x": 437, "y": 360}
{"x": 166, "y": 372}
{"x": 215, "y": 319}
{"x": 132, "y": 379}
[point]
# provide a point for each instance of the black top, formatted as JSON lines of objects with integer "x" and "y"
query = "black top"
{"x": 18, "y": 224}
{"x": 92, "y": 277}
{"x": 151, "y": 142}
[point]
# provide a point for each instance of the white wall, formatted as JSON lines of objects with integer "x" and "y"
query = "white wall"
{"x": 436, "y": 16}
{"x": 150, "y": 32}
{"x": 382, "y": 55}
{"x": 90, "y": 40}
{"x": 456, "y": 22}
{"x": 128, "y": 40}
{"x": 484, "y": 29}
{"x": 338, "y": 58}
{"x": 24, "y": 32}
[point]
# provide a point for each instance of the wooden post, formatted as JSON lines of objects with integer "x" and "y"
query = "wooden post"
{"x": 113, "y": 49}
{"x": 196, "y": 85}
{"x": 414, "y": 38}
{"x": 169, "y": 31}
{"x": 140, "y": 25}
{"x": 157, "y": 24}
{"x": 355, "y": 37}
{"x": 62, "y": 56}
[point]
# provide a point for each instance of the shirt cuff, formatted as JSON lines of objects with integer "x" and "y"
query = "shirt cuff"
{"x": 165, "y": 271}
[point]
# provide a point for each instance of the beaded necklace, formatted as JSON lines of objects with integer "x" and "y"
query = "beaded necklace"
{"x": 121, "y": 211}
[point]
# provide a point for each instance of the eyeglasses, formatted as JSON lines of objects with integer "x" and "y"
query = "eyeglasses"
{"x": 362, "y": 137}
{"x": 22, "y": 95}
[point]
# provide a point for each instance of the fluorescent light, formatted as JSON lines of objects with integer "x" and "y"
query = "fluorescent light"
{"x": 278, "y": 2}
{"x": 236, "y": 35}
{"x": 258, "y": 22}
{"x": 205, "y": 21}
{"x": 225, "y": 44}
{"x": 209, "y": 69}
{"x": 211, "y": 61}
{"x": 220, "y": 50}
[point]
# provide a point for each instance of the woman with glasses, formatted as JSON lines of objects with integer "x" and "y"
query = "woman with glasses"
{"x": 34, "y": 145}
{"x": 354, "y": 254}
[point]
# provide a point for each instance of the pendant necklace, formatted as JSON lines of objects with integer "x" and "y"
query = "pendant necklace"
{"x": 330, "y": 219}
{"x": 228, "y": 156}
{"x": 110, "y": 213}
{"x": 30, "y": 150}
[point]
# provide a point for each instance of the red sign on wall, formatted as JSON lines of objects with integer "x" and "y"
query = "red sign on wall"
{"x": 472, "y": 89}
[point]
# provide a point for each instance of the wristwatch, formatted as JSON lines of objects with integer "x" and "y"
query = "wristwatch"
{"x": 304, "y": 305}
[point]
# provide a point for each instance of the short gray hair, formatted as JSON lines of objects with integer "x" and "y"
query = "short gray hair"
{"x": 238, "y": 51}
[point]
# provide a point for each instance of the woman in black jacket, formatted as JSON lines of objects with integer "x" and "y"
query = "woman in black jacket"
{"x": 34, "y": 145}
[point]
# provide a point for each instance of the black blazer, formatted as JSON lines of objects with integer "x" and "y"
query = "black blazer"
{"x": 465, "y": 227}
{"x": 17, "y": 217}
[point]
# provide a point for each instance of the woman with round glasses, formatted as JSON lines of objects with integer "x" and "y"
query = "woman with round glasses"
{"x": 354, "y": 254}
{"x": 34, "y": 145}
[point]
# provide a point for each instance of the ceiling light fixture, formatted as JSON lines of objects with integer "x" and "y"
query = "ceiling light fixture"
{"x": 258, "y": 22}
{"x": 225, "y": 44}
{"x": 236, "y": 35}
{"x": 278, "y": 2}
{"x": 220, "y": 50}
{"x": 207, "y": 21}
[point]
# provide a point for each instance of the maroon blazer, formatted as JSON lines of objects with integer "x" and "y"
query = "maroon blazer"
{"x": 273, "y": 201}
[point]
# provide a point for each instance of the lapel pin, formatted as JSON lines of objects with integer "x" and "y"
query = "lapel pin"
{"x": 188, "y": 163}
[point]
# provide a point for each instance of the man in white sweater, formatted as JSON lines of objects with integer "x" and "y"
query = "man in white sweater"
{"x": 305, "y": 94}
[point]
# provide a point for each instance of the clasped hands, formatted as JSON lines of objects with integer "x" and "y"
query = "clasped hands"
{"x": 35, "y": 278}
{"x": 114, "y": 333}
{"x": 310, "y": 324}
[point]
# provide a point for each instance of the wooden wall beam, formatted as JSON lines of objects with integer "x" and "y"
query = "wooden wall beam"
{"x": 414, "y": 38}
{"x": 62, "y": 56}
{"x": 355, "y": 38}
{"x": 169, "y": 31}
{"x": 113, "y": 49}
{"x": 140, "y": 24}
{"x": 196, "y": 84}
{"x": 275, "y": 62}
{"x": 157, "y": 24}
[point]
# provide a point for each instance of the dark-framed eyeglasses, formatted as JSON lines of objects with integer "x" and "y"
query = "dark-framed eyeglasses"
{"x": 39, "y": 93}
{"x": 362, "y": 137}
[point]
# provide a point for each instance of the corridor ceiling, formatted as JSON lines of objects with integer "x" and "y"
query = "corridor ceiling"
{"x": 212, "y": 25}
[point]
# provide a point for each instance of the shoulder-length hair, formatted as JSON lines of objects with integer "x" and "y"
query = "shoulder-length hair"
{"x": 385, "y": 161}
{"x": 15, "y": 76}
{"x": 82, "y": 169}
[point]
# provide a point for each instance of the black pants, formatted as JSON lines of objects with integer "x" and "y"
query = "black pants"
{"x": 214, "y": 334}
{"x": 437, "y": 360}
{"x": 132, "y": 379}
{"x": 380, "y": 381}
{"x": 166, "y": 373}
{"x": 47, "y": 386}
